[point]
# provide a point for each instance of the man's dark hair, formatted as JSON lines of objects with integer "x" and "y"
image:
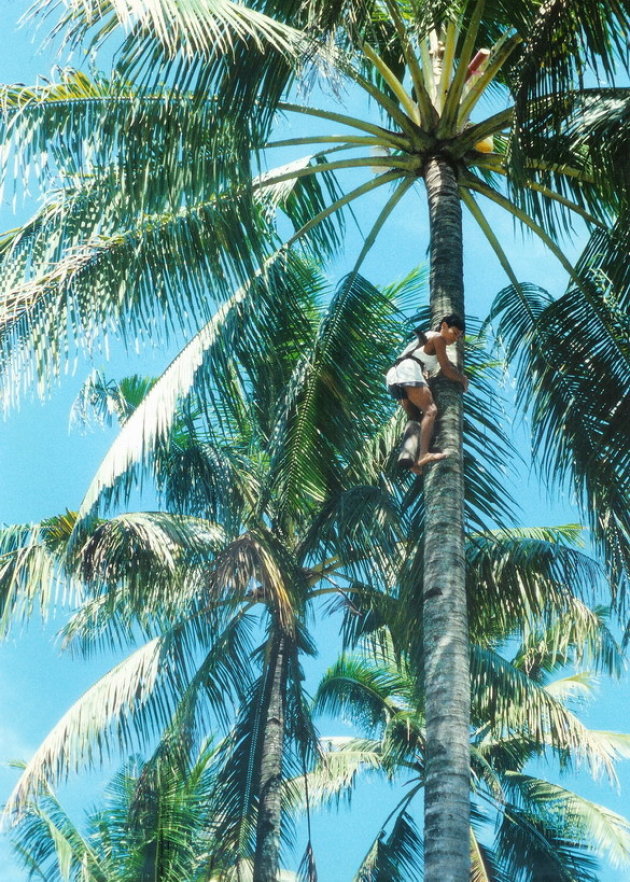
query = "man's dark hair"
{"x": 453, "y": 321}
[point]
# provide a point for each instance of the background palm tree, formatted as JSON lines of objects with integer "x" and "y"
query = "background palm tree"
{"x": 157, "y": 821}
{"x": 426, "y": 69}
{"x": 240, "y": 531}
{"x": 267, "y": 509}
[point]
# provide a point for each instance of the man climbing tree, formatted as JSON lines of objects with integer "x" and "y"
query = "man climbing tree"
{"x": 408, "y": 383}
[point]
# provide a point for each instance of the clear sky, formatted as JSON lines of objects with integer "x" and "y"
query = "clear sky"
{"x": 44, "y": 469}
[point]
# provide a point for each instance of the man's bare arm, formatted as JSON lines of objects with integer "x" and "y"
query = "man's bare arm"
{"x": 447, "y": 367}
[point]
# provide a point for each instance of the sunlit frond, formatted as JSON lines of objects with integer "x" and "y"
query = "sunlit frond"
{"x": 32, "y": 573}
{"x": 503, "y": 697}
{"x": 208, "y": 26}
{"x": 78, "y": 738}
{"x": 602, "y": 829}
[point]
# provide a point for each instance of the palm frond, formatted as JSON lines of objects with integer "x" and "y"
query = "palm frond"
{"x": 257, "y": 566}
{"x": 519, "y": 578}
{"x": 396, "y": 856}
{"x": 214, "y": 374}
{"x": 562, "y": 44}
{"x": 578, "y": 438}
{"x": 505, "y": 698}
{"x": 151, "y": 552}
{"x": 351, "y": 351}
{"x": 32, "y": 569}
{"x": 175, "y": 258}
{"x": 208, "y": 27}
{"x": 603, "y": 830}
{"x": 367, "y": 692}
{"x": 78, "y": 737}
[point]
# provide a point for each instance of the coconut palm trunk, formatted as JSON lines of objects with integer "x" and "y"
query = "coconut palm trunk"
{"x": 446, "y": 657}
{"x": 267, "y": 854}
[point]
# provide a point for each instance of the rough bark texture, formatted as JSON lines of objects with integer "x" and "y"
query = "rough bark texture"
{"x": 446, "y": 653}
{"x": 267, "y": 855}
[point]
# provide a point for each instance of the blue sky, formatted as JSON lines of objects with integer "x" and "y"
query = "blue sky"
{"x": 44, "y": 469}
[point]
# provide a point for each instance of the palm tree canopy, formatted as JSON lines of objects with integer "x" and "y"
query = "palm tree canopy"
{"x": 152, "y": 197}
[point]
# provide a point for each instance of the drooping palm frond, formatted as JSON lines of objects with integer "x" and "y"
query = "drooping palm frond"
{"x": 356, "y": 535}
{"x": 165, "y": 260}
{"x": 583, "y": 164}
{"x": 396, "y": 855}
{"x": 190, "y": 672}
{"x": 144, "y": 131}
{"x": 368, "y": 691}
{"x": 32, "y": 575}
{"x": 506, "y": 698}
{"x": 257, "y": 566}
{"x": 577, "y": 635}
{"x": 264, "y": 314}
{"x": 562, "y": 43}
{"x": 531, "y": 849}
{"x": 519, "y": 578}
{"x": 604, "y": 829}
{"x": 79, "y": 733}
{"x": 150, "y": 552}
{"x": 562, "y": 350}
{"x": 209, "y": 26}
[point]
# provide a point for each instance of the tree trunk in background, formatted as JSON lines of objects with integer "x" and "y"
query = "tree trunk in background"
{"x": 267, "y": 855}
{"x": 445, "y": 622}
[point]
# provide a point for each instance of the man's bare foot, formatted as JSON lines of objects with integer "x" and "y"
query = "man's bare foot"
{"x": 429, "y": 457}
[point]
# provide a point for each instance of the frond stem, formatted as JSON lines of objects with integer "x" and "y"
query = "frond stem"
{"x": 394, "y": 83}
{"x": 394, "y": 138}
{"x": 345, "y": 200}
{"x": 427, "y": 111}
{"x": 450, "y": 45}
{"x": 487, "y": 191}
{"x": 556, "y": 197}
{"x": 454, "y": 94}
{"x": 389, "y": 206}
{"x": 389, "y": 162}
{"x": 491, "y": 126}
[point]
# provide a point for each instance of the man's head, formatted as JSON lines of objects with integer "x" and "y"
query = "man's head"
{"x": 451, "y": 327}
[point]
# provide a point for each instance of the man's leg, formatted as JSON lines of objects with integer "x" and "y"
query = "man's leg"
{"x": 421, "y": 398}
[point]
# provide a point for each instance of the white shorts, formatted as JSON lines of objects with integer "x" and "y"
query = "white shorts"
{"x": 407, "y": 373}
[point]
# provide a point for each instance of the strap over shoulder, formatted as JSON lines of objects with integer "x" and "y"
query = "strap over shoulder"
{"x": 422, "y": 339}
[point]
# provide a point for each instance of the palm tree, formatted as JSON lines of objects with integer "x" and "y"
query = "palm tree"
{"x": 528, "y": 626}
{"x": 136, "y": 211}
{"x": 267, "y": 509}
{"x": 157, "y": 822}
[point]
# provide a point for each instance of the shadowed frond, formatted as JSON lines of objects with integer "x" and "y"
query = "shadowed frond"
{"x": 32, "y": 573}
{"x": 562, "y": 350}
{"x": 368, "y": 692}
{"x": 519, "y": 578}
{"x": 396, "y": 856}
{"x": 269, "y": 312}
{"x": 350, "y": 351}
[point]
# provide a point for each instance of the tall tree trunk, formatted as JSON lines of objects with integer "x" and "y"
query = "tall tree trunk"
{"x": 267, "y": 855}
{"x": 445, "y": 622}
